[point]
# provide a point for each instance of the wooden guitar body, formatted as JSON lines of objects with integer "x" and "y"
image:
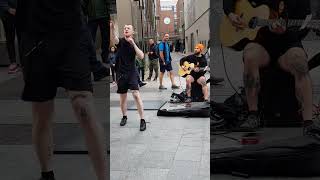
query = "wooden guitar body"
{"x": 235, "y": 38}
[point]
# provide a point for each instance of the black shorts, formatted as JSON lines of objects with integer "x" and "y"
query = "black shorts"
{"x": 166, "y": 67}
{"x": 62, "y": 60}
{"x": 127, "y": 81}
{"x": 196, "y": 76}
{"x": 277, "y": 45}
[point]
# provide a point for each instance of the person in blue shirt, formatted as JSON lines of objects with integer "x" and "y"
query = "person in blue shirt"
{"x": 165, "y": 62}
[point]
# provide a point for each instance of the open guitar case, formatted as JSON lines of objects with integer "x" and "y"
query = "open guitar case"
{"x": 292, "y": 157}
{"x": 197, "y": 107}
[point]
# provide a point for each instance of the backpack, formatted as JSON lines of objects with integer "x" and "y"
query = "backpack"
{"x": 158, "y": 51}
{"x": 156, "y": 46}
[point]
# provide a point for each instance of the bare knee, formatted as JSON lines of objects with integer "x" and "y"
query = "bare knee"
{"x": 136, "y": 94}
{"x": 202, "y": 81}
{"x": 189, "y": 79}
{"x": 255, "y": 56}
{"x": 81, "y": 105}
{"x": 295, "y": 61}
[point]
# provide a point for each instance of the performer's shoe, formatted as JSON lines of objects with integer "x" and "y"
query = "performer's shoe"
{"x": 47, "y": 176}
{"x": 123, "y": 121}
{"x": 143, "y": 125}
{"x": 175, "y": 87}
{"x": 162, "y": 87}
{"x": 188, "y": 100}
{"x": 252, "y": 123}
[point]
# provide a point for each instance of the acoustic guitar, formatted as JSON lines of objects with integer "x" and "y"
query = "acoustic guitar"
{"x": 254, "y": 19}
{"x": 187, "y": 68}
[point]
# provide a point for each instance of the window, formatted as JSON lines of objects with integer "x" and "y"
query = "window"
{"x": 192, "y": 42}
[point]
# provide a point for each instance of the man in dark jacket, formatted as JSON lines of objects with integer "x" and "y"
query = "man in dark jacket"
{"x": 8, "y": 17}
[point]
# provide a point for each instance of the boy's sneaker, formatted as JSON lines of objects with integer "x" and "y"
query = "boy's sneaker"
{"x": 123, "y": 121}
{"x": 175, "y": 87}
{"x": 47, "y": 176}
{"x": 162, "y": 87}
{"x": 143, "y": 125}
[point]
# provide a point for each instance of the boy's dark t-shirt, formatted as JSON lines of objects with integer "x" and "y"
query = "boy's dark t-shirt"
{"x": 43, "y": 16}
{"x": 126, "y": 58}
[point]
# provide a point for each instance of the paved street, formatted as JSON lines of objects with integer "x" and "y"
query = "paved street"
{"x": 170, "y": 149}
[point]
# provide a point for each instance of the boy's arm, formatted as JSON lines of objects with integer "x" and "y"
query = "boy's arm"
{"x": 139, "y": 53}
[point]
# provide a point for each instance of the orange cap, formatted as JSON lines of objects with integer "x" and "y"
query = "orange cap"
{"x": 200, "y": 46}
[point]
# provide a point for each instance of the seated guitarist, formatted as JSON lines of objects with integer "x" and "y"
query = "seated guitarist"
{"x": 276, "y": 45}
{"x": 196, "y": 75}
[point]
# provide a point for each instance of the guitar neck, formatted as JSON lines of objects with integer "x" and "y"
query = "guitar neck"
{"x": 313, "y": 24}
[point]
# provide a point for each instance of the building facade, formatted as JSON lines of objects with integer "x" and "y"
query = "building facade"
{"x": 180, "y": 18}
{"x": 140, "y": 14}
{"x": 196, "y": 19}
{"x": 168, "y": 21}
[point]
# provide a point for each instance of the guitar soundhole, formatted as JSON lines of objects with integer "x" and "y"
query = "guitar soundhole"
{"x": 253, "y": 22}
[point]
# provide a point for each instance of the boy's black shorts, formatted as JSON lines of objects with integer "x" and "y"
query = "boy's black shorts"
{"x": 126, "y": 82}
{"x": 277, "y": 45}
{"x": 58, "y": 60}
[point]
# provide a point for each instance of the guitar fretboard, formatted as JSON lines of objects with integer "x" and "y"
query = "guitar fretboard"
{"x": 313, "y": 24}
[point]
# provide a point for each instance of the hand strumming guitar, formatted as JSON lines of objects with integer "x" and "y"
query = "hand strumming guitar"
{"x": 196, "y": 69}
{"x": 278, "y": 28}
{"x": 236, "y": 20}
